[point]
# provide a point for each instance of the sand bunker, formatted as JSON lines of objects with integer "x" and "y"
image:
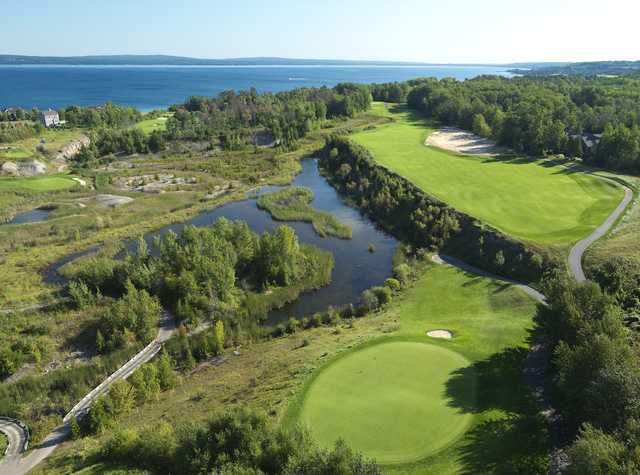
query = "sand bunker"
{"x": 461, "y": 141}
{"x": 446, "y": 334}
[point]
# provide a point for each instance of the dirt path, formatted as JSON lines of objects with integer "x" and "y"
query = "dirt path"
{"x": 18, "y": 465}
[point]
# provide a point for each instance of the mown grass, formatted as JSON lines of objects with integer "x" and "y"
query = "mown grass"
{"x": 490, "y": 323}
{"x": 387, "y": 401}
{"x": 531, "y": 199}
{"x": 151, "y": 125}
{"x": 37, "y": 183}
{"x": 293, "y": 204}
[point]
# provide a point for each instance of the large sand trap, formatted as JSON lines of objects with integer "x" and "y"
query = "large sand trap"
{"x": 461, "y": 141}
{"x": 446, "y": 334}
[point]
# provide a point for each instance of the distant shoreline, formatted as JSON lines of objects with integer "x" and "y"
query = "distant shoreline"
{"x": 230, "y": 66}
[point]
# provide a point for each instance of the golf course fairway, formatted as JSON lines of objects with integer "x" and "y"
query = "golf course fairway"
{"x": 394, "y": 388}
{"x": 526, "y": 198}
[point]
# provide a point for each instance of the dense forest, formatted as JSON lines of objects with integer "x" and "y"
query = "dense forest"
{"x": 595, "y": 372}
{"x": 203, "y": 274}
{"x": 596, "y": 119}
{"x": 286, "y": 116}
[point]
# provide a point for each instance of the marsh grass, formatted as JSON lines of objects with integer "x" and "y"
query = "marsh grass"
{"x": 293, "y": 204}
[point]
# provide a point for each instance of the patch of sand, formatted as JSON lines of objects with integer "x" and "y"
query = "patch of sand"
{"x": 446, "y": 334}
{"x": 461, "y": 141}
{"x": 106, "y": 201}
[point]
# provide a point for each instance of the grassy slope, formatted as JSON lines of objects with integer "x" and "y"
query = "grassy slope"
{"x": 525, "y": 198}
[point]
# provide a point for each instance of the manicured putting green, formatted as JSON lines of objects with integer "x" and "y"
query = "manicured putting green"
{"x": 151, "y": 125}
{"x": 387, "y": 401}
{"x": 41, "y": 183}
{"x": 525, "y": 198}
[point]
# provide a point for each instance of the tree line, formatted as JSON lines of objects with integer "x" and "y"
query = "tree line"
{"x": 596, "y": 119}
{"x": 415, "y": 217}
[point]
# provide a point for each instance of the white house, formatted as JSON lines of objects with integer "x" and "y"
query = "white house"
{"x": 50, "y": 118}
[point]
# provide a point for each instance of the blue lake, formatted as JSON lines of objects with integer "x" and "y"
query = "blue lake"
{"x": 156, "y": 87}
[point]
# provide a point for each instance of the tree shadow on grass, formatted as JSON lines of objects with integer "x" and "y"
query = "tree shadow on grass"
{"x": 517, "y": 443}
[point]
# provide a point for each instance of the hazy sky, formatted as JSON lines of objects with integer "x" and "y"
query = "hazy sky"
{"x": 473, "y": 31}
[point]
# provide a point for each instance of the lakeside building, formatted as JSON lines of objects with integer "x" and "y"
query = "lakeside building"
{"x": 50, "y": 118}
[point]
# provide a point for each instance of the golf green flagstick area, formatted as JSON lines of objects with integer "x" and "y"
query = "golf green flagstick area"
{"x": 527, "y": 198}
{"x": 394, "y": 389}
{"x": 414, "y": 402}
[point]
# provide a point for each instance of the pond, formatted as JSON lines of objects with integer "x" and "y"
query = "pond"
{"x": 32, "y": 216}
{"x": 355, "y": 268}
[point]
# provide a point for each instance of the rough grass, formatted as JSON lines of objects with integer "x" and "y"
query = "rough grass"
{"x": 49, "y": 140}
{"x": 3, "y": 444}
{"x": 15, "y": 153}
{"x": 622, "y": 240}
{"x": 37, "y": 183}
{"x": 293, "y": 204}
{"x": 487, "y": 395}
{"x": 530, "y": 199}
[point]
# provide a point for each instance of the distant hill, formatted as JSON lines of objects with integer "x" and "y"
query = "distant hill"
{"x": 616, "y": 68}
{"x": 166, "y": 60}
{"x": 150, "y": 60}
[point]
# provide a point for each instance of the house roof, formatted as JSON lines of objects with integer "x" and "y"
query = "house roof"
{"x": 50, "y": 113}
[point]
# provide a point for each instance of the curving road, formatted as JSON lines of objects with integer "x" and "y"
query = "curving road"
{"x": 17, "y": 435}
{"x": 18, "y": 465}
{"x": 577, "y": 251}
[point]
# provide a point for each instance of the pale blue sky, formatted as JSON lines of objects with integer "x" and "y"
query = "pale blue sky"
{"x": 413, "y": 30}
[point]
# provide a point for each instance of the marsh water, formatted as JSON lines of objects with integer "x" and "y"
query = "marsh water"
{"x": 355, "y": 267}
{"x": 32, "y": 216}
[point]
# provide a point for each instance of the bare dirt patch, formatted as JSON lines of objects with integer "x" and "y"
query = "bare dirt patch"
{"x": 155, "y": 183}
{"x": 461, "y": 141}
